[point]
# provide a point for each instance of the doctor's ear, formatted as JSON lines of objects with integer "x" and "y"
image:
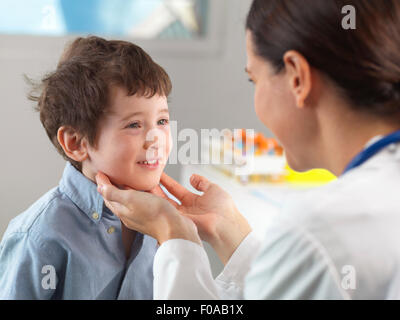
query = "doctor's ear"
{"x": 74, "y": 145}
{"x": 299, "y": 76}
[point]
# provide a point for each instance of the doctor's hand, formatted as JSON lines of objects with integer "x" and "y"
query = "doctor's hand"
{"x": 218, "y": 220}
{"x": 146, "y": 213}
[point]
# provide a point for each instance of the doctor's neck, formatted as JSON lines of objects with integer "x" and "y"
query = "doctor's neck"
{"x": 344, "y": 132}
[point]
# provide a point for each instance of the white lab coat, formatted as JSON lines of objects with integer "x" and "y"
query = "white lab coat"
{"x": 340, "y": 241}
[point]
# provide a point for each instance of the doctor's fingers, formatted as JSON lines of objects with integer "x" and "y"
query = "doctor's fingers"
{"x": 199, "y": 182}
{"x": 102, "y": 179}
{"x": 106, "y": 188}
{"x": 118, "y": 209}
{"x": 132, "y": 218}
{"x": 157, "y": 191}
{"x": 174, "y": 187}
{"x": 125, "y": 198}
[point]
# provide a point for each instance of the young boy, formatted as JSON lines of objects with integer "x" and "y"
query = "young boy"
{"x": 105, "y": 109}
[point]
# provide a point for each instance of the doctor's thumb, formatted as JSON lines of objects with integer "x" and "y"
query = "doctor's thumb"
{"x": 199, "y": 183}
{"x": 112, "y": 193}
{"x": 108, "y": 190}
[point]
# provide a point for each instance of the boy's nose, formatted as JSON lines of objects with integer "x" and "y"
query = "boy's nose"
{"x": 155, "y": 138}
{"x": 151, "y": 143}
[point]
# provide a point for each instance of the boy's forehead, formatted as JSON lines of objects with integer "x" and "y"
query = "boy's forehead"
{"x": 122, "y": 104}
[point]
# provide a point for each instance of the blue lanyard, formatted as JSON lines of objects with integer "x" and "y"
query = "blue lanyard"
{"x": 372, "y": 150}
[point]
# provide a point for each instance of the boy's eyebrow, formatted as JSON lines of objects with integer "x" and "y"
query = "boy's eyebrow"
{"x": 165, "y": 110}
{"x": 130, "y": 115}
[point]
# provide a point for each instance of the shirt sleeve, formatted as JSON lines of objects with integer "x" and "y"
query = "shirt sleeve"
{"x": 26, "y": 270}
{"x": 230, "y": 282}
{"x": 182, "y": 271}
{"x": 289, "y": 264}
{"x": 292, "y": 264}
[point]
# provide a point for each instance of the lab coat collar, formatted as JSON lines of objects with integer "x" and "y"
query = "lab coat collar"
{"x": 389, "y": 154}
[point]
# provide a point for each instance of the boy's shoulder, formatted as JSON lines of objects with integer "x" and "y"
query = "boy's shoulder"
{"x": 42, "y": 216}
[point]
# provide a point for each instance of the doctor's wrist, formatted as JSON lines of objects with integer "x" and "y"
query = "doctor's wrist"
{"x": 179, "y": 227}
{"x": 227, "y": 239}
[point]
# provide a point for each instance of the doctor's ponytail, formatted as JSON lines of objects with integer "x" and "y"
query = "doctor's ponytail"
{"x": 364, "y": 63}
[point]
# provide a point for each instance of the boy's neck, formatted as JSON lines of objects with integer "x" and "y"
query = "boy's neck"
{"x": 128, "y": 235}
{"x": 89, "y": 173}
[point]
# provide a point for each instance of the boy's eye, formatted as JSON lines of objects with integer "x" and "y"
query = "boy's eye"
{"x": 134, "y": 125}
{"x": 163, "y": 122}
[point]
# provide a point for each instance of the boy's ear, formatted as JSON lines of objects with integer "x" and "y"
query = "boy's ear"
{"x": 73, "y": 144}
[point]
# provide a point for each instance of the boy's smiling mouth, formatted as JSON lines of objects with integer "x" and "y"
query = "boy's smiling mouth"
{"x": 150, "y": 163}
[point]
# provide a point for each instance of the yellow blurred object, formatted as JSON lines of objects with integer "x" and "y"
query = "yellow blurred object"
{"x": 316, "y": 176}
{"x": 261, "y": 160}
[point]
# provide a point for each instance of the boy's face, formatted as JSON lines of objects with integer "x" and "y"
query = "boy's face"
{"x": 135, "y": 130}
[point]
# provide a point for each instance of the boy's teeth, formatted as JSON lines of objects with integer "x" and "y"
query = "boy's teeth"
{"x": 148, "y": 162}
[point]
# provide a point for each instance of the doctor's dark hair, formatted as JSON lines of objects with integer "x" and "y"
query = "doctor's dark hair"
{"x": 363, "y": 63}
{"x": 78, "y": 93}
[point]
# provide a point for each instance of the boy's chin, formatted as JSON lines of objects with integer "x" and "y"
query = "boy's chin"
{"x": 146, "y": 186}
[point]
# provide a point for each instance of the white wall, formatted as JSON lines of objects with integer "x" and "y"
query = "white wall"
{"x": 210, "y": 91}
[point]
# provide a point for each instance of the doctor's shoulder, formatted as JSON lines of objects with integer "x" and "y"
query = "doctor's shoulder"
{"x": 350, "y": 226}
{"x": 364, "y": 193}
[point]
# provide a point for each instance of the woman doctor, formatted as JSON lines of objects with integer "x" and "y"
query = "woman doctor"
{"x": 331, "y": 95}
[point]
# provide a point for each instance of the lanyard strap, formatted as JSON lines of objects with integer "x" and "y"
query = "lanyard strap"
{"x": 372, "y": 150}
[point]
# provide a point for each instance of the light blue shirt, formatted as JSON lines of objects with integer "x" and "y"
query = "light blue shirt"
{"x": 68, "y": 245}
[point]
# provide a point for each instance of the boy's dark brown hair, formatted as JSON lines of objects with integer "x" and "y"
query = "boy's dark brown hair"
{"x": 77, "y": 93}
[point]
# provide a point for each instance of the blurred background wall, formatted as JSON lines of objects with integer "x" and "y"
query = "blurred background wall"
{"x": 210, "y": 90}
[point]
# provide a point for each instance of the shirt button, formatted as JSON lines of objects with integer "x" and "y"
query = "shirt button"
{"x": 95, "y": 215}
{"x": 110, "y": 230}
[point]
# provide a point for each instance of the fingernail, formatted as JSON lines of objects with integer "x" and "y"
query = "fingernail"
{"x": 100, "y": 188}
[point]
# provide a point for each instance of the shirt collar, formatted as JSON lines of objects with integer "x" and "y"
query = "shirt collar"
{"x": 373, "y": 140}
{"x": 383, "y": 156}
{"x": 83, "y": 192}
